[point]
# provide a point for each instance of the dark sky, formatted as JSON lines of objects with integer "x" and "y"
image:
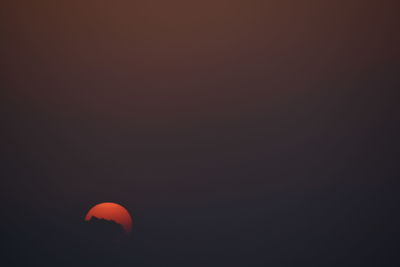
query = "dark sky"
{"x": 237, "y": 133}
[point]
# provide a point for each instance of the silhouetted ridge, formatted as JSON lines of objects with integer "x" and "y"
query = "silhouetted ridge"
{"x": 101, "y": 242}
{"x": 104, "y": 227}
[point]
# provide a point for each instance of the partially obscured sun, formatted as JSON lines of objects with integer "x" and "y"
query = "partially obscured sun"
{"x": 112, "y": 212}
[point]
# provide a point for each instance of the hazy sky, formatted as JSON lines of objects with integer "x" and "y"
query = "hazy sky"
{"x": 238, "y": 133}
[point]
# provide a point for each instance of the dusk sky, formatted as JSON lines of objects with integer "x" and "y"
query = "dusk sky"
{"x": 236, "y": 133}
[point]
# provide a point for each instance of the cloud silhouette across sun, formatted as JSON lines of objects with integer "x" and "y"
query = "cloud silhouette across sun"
{"x": 112, "y": 212}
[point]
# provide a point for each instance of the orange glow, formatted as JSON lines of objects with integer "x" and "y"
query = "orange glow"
{"x": 112, "y": 212}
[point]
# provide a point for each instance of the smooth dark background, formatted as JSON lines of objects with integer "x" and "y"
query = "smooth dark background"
{"x": 237, "y": 133}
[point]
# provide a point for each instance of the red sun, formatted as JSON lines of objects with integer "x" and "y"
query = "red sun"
{"x": 112, "y": 212}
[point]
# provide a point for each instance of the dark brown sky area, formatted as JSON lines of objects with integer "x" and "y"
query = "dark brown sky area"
{"x": 237, "y": 133}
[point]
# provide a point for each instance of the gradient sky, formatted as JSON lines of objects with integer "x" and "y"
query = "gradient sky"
{"x": 237, "y": 133}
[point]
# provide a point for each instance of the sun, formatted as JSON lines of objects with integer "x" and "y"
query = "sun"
{"x": 112, "y": 212}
